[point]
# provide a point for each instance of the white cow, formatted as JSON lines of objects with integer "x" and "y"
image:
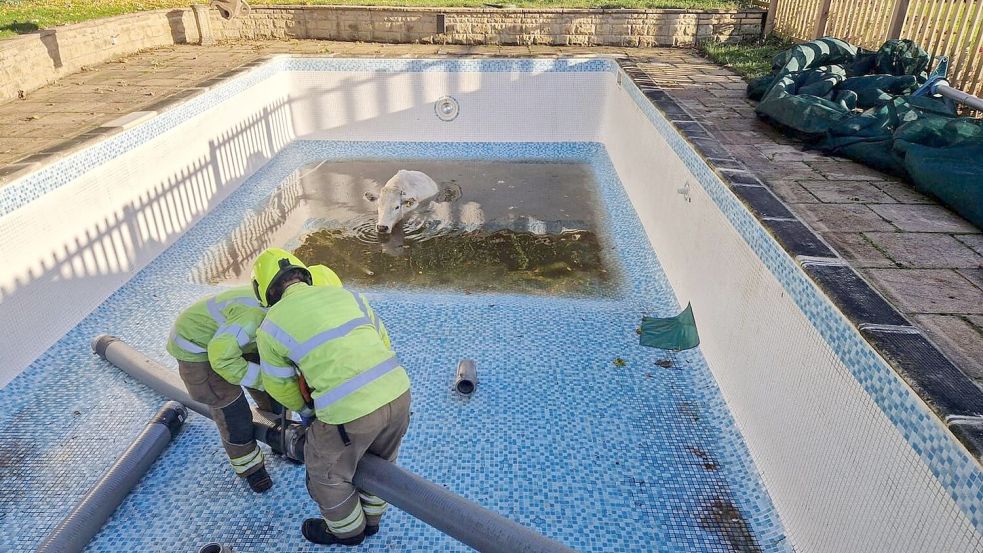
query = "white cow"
{"x": 404, "y": 193}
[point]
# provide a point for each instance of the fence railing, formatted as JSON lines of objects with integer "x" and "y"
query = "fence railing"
{"x": 952, "y": 28}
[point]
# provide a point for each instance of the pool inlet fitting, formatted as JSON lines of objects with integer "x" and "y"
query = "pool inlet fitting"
{"x": 466, "y": 379}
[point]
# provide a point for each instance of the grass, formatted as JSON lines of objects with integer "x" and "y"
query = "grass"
{"x": 751, "y": 59}
{"x": 24, "y": 16}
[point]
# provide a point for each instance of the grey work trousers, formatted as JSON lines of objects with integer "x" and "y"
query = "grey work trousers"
{"x": 230, "y": 411}
{"x": 331, "y": 465}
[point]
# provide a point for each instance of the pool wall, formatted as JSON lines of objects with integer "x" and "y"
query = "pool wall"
{"x": 853, "y": 459}
{"x": 851, "y": 456}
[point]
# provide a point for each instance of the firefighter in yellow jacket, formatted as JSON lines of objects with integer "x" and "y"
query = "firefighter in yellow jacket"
{"x": 214, "y": 342}
{"x": 360, "y": 394}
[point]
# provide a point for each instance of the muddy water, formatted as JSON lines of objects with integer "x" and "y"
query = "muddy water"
{"x": 518, "y": 227}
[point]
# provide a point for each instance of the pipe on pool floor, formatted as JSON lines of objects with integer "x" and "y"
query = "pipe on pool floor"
{"x": 92, "y": 511}
{"x": 466, "y": 378}
{"x": 459, "y": 518}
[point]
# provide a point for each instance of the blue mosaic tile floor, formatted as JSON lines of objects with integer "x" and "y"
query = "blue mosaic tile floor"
{"x": 603, "y": 458}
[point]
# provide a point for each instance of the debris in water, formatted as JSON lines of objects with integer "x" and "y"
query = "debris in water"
{"x": 619, "y": 362}
{"x": 567, "y": 263}
{"x": 723, "y": 518}
{"x": 664, "y": 363}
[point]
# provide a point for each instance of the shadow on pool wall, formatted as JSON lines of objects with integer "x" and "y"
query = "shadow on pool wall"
{"x": 129, "y": 214}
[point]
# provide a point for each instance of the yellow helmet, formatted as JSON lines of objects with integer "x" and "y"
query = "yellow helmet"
{"x": 321, "y": 275}
{"x": 269, "y": 269}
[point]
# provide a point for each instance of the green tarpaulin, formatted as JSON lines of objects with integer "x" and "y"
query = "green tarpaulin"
{"x": 847, "y": 101}
{"x": 674, "y": 333}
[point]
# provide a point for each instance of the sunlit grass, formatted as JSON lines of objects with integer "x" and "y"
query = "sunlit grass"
{"x": 751, "y": 59}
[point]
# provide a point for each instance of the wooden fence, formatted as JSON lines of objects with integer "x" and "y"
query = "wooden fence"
{"x": 952, "y": 28}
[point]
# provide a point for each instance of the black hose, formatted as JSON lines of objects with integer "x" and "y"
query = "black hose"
{"x": 92, "y": 511}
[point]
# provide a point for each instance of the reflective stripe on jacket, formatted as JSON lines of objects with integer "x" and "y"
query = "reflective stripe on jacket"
{"x": 335, "y": 340}
{"x": 219, "y": 330}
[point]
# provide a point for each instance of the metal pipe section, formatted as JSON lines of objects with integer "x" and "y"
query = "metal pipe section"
{"x": 957, "y": 95}
{"x": 92, "y": 511}
{"x": 466, "y": 379}
{"x": 453, "y": 515}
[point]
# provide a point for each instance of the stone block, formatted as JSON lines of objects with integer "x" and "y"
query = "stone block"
{"x": 923, "y": 218}
{"x": 925, "y": 250}
{"x": 929, "y": 290}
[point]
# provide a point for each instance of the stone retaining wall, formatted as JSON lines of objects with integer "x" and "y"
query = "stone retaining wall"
{"x": 30, "y": 61}
{"x": 636, "y": 28}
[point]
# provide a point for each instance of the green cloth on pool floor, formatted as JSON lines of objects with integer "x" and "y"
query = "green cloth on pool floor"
{"x": 674, "y": 333}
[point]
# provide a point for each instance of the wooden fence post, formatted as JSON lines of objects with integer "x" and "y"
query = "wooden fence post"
{"x": 770, "y": 17}
{"x": 897, "y": 19}
{"x": 822, "y": 18}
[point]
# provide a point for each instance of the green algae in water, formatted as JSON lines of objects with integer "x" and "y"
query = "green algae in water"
{"x": 568, "y": 263}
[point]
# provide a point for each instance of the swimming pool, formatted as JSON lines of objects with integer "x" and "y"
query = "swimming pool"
{"x": 784, "y": 429}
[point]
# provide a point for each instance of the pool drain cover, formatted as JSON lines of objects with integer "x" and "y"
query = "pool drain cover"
{"x": 447, "y": 108}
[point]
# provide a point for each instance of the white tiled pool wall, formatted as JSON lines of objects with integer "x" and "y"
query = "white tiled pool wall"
{"x": 836, "y": 455}
{"x": 839, "y": 465}
{"x": 61, "y": 262}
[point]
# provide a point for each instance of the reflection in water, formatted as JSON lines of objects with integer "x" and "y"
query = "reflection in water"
{"x": 525, "y": 227}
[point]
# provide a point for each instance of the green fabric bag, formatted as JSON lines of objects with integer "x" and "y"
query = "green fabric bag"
{"x": 951, "y": 174}
{"x": 673, "y": 333}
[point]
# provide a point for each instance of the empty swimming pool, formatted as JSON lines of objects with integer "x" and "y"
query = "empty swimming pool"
{"x": 783, "y": 431}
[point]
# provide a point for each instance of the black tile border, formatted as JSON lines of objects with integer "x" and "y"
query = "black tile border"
{"x": 947, "y": 391}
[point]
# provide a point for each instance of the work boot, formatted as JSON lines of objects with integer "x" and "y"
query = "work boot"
{"x": 260, "y": 480}
{"x": 316, "y": 531}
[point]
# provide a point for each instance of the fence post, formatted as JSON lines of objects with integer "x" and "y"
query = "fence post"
{"x": 897, "y": 19}
{"x": 770, "y": 17}
{"x": 822, "y": 19}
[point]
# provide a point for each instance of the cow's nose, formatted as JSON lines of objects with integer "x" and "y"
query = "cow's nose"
{"x": 382, "y": 228}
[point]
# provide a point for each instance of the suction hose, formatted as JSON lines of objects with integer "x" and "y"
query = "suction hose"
{"x": 92, "y": 511}
{"x": 433, "y": 504}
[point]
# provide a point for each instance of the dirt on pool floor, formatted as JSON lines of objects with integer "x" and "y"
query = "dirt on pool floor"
{"x": 517, "y": 227}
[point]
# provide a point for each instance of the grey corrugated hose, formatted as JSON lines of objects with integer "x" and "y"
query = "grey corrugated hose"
{"x": 459, "y": 518}
{"x": 92, "y": 511}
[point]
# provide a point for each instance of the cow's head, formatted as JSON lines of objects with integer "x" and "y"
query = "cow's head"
{"x": 392, "y": 205}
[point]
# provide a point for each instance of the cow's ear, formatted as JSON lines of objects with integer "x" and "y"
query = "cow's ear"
{"x": 371, "y": 196}
{"x": 409, "y": 202}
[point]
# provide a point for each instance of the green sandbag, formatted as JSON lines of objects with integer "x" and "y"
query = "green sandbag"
{"x": 672, "y": 333}
{"x": 825, "y": 51}
{"x": 953, "y": 174}
{"x": 757, "y": 88}
{"x": 939, "y": 131}
{"x": 874, "y": 90}
{"x": 803, "y": 115}
{"x": 902, "y": 57}
{"x": 820, "y": 81}
{"x": 869, "y": 137}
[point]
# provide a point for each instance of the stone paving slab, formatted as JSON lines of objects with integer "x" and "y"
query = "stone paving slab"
{"x": 916, "y": 252}
{"x": 920, "y": 255}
